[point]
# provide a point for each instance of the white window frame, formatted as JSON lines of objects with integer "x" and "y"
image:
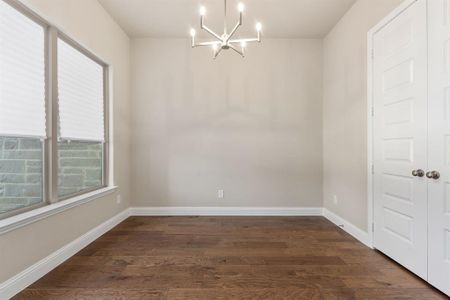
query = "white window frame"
{"x": 51, "y": 202}
{"x": 54, "y": 36}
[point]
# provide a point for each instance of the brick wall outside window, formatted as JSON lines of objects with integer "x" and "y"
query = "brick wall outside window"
{"x": 80, "y": 168}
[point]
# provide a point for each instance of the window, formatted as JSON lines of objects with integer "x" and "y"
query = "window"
{"x": 21, "y": 173}
{"x": 53, "y": 141}
{"x": 80, "y": 167}
{"x": 22, "y": 110}
{"x": 81, "y": 121}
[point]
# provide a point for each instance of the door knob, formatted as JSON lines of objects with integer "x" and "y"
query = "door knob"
{"x": 418, "y": 173}
{"x": 434, "y": 175}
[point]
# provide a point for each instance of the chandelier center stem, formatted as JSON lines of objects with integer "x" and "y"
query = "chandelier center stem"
{"x": 225, "y": 18}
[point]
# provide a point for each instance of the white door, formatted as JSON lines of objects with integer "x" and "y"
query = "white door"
{"x": 400, "y": 138}
{"x": 439, "y": 145}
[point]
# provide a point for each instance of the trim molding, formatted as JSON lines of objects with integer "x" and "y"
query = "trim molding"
{"x": 348, "y": 227}
{"x": 43, "y": 212}
{"x": 226, "y": 211}
{"x": 15, "y": 284}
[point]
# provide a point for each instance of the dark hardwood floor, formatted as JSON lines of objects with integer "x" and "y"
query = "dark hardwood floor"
{"x": 229, "y": 258}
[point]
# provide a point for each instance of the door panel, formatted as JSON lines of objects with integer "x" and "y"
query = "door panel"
{"x": 439, "y": 144}
{"x": 399, "y": 113}
{"x": 398, "y": 187}
{"x": 399, "y": 150}
{"x": 400, "y": 138}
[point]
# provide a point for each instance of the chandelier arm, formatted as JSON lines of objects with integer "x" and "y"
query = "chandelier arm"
{"x": 204, "y": 27}
{"x": 217, "y": 52}
{"x": 238, "y": 41}
{"x": 207, "y": 43}
{"x": 236, "y": 50}
{"x": 234, "y": 30}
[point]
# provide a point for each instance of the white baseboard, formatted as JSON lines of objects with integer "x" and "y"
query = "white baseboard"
{"x": 226, "y": 211}
{"x": 351, "y": 229}
{"x": 348, "y": 227}
{"x": 14, "y": 285}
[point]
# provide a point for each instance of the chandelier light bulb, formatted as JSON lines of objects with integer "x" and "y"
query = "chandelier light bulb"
{"x": 241, "y": 7}
{"x": 214, "y": 46}
{"x": 202, "y": 11}
{"x": 193, "y": 32}
{"x": 243, "y": 44}
{"x": 258, "y": 27}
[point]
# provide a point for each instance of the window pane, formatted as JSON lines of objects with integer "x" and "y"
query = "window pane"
{"x": 22, "y": 75}
{"x": 80, "y": 95}
{"x": 80, "y": 166}
{"x": 21, "y": 173}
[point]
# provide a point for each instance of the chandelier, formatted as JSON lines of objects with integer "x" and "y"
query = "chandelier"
{"x": 225, "y": 41}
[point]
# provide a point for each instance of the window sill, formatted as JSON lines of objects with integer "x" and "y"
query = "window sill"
{"x": 32, "y": 216}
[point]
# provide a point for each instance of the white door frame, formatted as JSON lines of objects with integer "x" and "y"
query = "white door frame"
{"x": 370, "y": 164}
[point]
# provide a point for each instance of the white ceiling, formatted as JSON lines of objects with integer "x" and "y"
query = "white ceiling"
{"x": 280, "y": 18}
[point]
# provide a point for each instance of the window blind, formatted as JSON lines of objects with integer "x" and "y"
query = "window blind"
{"x": 22, "y": 75}
{"x": 80, "y": 95}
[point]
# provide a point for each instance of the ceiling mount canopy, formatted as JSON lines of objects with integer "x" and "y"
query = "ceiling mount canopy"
{"x": 225, "y": 41}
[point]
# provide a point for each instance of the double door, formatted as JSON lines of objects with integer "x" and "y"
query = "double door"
{"x": 411, "y": 140}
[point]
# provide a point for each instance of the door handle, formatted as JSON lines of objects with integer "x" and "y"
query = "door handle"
{"x": 418, "y": 173}
{"x": 434, "y": 175}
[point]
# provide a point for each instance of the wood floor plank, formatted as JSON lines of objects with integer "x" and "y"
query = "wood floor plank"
{"x": 229, "y": 258}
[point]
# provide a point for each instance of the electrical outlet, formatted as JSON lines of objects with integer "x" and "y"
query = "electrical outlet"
{"x": 118, "y": 199}
{"x": 220, "y": 194}
{"x": 335, "y": 200}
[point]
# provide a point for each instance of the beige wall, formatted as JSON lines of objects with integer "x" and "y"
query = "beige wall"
{"x": 88, "y": 23}
{"x": 345, "y": 109}
{"x": 252, "y": 127}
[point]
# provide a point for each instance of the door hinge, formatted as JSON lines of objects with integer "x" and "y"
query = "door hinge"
{"x": 372, "y": 111}
{"x": 373, "y": 227}
{"x": 373, "y": 53}
{"x": 373, "y": 168}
